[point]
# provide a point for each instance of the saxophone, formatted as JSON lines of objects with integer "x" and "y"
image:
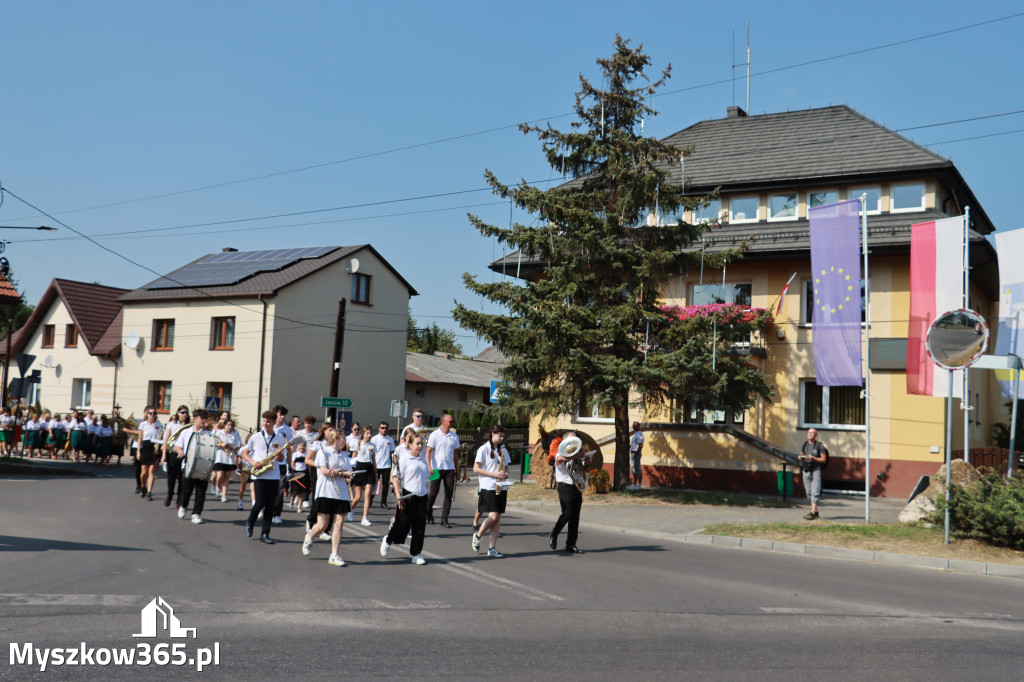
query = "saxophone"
{"x": 263, "y": 466}
{"x": 498, "y": 487}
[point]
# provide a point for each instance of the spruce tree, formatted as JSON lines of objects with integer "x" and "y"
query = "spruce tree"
{"x": 590, "y": 326}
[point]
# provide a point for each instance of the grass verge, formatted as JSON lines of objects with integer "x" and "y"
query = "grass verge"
{"x": 534, "y": 492}
{"x": 918, "y": 539}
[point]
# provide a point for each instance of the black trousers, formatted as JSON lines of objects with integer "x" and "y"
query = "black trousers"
{"x": 311, "y": 517}
{"x": 571, "y": 499}
{"x": 413, "y": 517}
{"x": 446, "y": 476}
{"x": 263, "y": 500}
{"x": 384, "y": 476}
{"x": 200, "y": 487}
{"x": 174, "y": 475}
{"x": 282, "y": 485}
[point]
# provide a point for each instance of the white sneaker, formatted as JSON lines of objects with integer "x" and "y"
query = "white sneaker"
{"x": 350, "y": 517}
{"x": 276, "y": 519}
{"x": 325, "y": 537}
{"x": 336, "y": 560}
{"x": 197, "y": 519}
{"x": 305, "y": 505}
{"x": 384, "y": 546}
{"x": 181, "y": 512}
{"x": 223, "y": 497}
{"x": 366, "y": 522}
{"x": 307, "y": 545}
{"x": 476, "y": 542}
{"x": 419, "y": 560}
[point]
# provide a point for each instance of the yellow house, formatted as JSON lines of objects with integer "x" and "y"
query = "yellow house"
{"x": 768, "y": 171}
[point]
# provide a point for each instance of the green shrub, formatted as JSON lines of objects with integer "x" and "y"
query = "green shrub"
{"x": 991, "y": 510}
{"x": 465, "y": 421}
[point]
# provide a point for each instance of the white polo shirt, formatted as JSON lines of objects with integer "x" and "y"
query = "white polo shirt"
{"x": 444, "y": 446}
{"x": 488, "y": 459}
{"x": 259, "y": 447}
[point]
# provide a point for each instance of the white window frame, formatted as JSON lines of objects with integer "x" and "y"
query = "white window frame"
{"x": 854, "y": 193}
{"x": 796, "y": 207}
{"x": 823, "y": 191}
{"x": 76, "y": 394}
{"x": 713, "y": 208}
{"x": 908, "y": 209}
{"x": 824, "y": 425}
{"x": 732, "y": 212}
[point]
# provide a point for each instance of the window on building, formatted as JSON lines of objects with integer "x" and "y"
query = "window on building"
{"x": 807, "y": 309}
{"x": 709, "y": 213}
{"x": 221, "y": 390}
{"x": 837, "y": 407}
{"x": 360, "y": 288}
{"x": 81, "y": 393}
{"x": 743, "y": 210}
{"x": 909, "y": 197}
{"x": 873, "y": 200}
{"x": 705, "y": 294}
{"x": 223, "y": 333}
{"x": 463, "y": 396}
{"x": 163, "y": 334}
{"x": 70, "y": 336}
{"x": 815, "y": 199}
{"x": 47, "y": 336}
{"x": 160, "y": 396}
{"x": 594, "y": 410}
{"x": 782, "y": 207}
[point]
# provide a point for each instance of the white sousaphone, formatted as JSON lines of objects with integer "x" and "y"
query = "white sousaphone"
{"x": 571, "y": 448}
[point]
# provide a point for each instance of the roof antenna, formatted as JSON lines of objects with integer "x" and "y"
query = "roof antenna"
{"x": 748, "y": 66}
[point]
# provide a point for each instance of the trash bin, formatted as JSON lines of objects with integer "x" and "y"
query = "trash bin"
{"x": 526, "y": 462}
{"x": 785, "y": 483}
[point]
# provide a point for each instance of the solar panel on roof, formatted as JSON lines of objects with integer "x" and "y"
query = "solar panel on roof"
{"x": 228, "y": 268}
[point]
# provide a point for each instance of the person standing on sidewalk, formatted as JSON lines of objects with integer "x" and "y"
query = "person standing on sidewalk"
{"x": 636, "y": 447}
{"x": 814, "y": 458}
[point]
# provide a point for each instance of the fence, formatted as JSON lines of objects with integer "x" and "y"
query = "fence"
{"x": 995, "y": 458}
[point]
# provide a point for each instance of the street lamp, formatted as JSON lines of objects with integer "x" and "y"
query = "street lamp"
{"x": 45, "y": 228}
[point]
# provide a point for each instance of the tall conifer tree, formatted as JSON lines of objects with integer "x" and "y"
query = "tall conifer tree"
{"x": 588, "y": 326}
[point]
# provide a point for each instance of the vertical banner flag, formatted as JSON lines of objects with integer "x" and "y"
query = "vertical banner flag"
{"x": 1010, "y": 334}
{"x": 835, "y": 267}
{"x": 936, "y": 286}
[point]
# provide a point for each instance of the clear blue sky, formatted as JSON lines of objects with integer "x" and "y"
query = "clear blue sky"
{"x": 109, "y": 102}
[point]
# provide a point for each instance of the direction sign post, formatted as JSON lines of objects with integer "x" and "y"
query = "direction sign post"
{"x": 327, "y": 401}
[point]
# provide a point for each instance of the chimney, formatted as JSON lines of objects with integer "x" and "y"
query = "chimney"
{"x": 735, "y": 112}
{"x": 228, "y": 249}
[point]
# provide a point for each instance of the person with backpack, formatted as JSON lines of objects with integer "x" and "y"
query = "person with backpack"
{"x": 814, "y": 458}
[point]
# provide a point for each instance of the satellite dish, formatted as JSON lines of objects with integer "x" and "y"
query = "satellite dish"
{"x": 59, "y": 370}
{"x": 353, "y": 265}
{"x": 133, "y": 340}
{"x": 48, "y": 361}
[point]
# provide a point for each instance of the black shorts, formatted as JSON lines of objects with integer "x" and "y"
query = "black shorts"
{"x": 364, "y": 474}
{"x": 491, "y": 501}
{"x": 329, "y": 505}
{"x": 219, "y": 466}
{"x": 148, "y": 455}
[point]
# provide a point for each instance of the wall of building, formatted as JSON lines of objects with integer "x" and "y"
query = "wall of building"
{"x": 373, "y": 354}
{"x": 436, "y": 399}
{"x": 67, "y": 364}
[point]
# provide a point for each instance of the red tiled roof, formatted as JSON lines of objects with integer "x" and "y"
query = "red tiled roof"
{"x": 8, "y": 294}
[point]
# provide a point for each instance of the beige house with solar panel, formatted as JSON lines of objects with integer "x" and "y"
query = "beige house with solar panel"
{"x": 247, "y": 330}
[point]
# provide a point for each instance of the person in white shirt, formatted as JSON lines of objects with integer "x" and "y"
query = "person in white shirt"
{"x": 79, "y": 432}
{"x": 571, "y": 500}
{"x": 7, "y": 432}
{"x": 409, "y": 478}
{"x": 280, "y": 427}
{"x": 442, "y": 449}
{"x": 261, "y": 445}
{"x": 332, "y": 496}
{"x": 353, "y": 438}
{"x": 189, "y": 484}
{"x": 636, "y": 448}
{"x": 90, "y": 431}
{"x": 492, "y": 460}
{"x": 383, "y": 446}
{"x": 104, "y": 440}
{"x": 168, "y": 457}
{"x": 415, "y": 427}
{"x": 224, "y": 458}
{"x": 366, "y": 474}
{"x": 30, "y": 441}
{"x": 306, "y": 485}
{"x": 150, "y": 435}
{"x": 58, "y": 438}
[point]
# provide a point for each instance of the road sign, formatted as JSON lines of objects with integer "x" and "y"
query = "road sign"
{"x": 327, "y": 401}
{"x": 212, "y": 403}
{"x": 25, "y": 361}
{"x": 496, "y": 391}
{"x": 399, "y": 408}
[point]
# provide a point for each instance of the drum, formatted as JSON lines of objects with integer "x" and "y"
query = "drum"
{"x": 200, "y": 454}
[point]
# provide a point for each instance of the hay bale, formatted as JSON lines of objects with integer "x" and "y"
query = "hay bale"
{"x": 924, "y": 505}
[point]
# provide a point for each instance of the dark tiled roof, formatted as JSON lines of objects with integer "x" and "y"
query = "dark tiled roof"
{"x": 266, "y": 283}
{"x": 443, "y": 369}
{"x": 95, "y": 310}
{"x": 827, "y": 144}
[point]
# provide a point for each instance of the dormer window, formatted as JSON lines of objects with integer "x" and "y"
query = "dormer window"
{"x": 743, "y": 210}
{"x": 873, "y": 201}
{"x": 909, "y": 197}
{"x": 782, "y": 206}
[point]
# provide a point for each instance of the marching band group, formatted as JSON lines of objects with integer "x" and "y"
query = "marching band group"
{"x": 77, "y": 436}
{"x": 321, "y": 471}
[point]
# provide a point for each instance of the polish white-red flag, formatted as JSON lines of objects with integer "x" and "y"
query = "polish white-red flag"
{"x": 936, "y": 287}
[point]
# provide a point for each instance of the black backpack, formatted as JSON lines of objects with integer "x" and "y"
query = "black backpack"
{"x": 819, "y": 450}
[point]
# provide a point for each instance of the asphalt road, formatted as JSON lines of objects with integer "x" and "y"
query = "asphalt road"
{"x": 81, "y": 558}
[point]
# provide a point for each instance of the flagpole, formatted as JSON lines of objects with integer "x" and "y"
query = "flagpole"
{"x": 965, "y": 403}
{"x": 867, "y": 361}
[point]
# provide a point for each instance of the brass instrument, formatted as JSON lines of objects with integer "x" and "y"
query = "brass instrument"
{"x": 169, "y": 443}
{"x": 498, "y": 487}
{"x": 263, "y": 466}
{"x": 570, "y": 448}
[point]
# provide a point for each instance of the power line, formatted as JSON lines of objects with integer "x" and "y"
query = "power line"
{"x": 452, "y": 138}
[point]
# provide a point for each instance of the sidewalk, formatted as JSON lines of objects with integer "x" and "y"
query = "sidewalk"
{"x": 685, "y": 523}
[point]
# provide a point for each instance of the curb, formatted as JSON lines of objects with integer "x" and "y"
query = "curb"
{"x": 821, "y": 551}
